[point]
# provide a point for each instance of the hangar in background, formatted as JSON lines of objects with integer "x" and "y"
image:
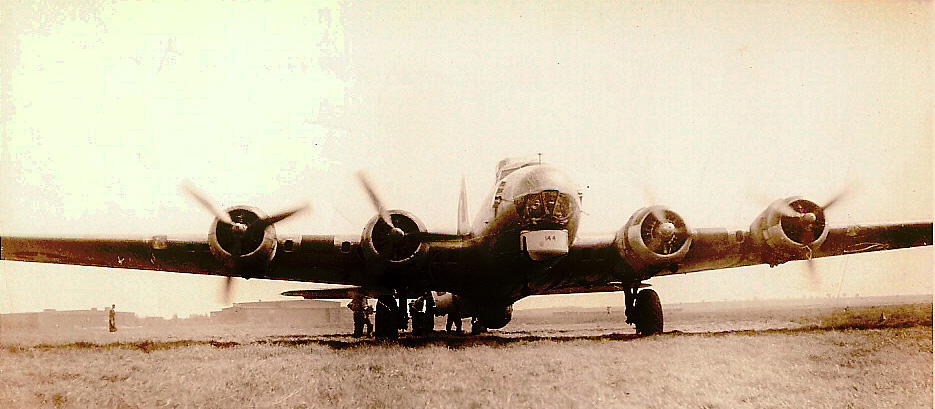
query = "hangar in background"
{"x": 294, "y": 313}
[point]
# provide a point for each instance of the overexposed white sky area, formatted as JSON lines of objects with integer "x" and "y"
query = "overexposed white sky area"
{"x": 716, "y": 107}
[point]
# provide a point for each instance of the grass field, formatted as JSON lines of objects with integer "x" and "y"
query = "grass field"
{"x": 865, "y": 357}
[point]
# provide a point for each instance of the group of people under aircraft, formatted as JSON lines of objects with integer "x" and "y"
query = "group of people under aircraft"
{"x": 422, "y": 312}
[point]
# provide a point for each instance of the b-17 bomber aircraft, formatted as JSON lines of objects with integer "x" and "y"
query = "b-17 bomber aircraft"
{"x": 524, "y": 241}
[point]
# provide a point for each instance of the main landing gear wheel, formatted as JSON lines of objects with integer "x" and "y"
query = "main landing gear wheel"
{"x": 648, "y": 313}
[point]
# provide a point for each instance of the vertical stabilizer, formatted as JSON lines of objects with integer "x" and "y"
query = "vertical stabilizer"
{"x": 463, "y": 225}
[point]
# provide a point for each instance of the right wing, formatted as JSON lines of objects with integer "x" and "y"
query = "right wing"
{"x": 311, "y": 258}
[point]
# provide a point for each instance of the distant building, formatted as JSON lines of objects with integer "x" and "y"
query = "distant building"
{"x": 53, "y": 319}
{"x": 294, "y": 313}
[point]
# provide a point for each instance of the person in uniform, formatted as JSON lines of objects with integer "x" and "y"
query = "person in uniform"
{"x": 359, "y": 306}
{"x": 386, "y": 327}
{"x": 430, "y": 312}
{"x": 415, "y": 311}
{"x": 112, "y": 318}
{"x": 368, "y": 311}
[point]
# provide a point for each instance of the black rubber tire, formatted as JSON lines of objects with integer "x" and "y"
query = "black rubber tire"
{"x": 649, "y": 320}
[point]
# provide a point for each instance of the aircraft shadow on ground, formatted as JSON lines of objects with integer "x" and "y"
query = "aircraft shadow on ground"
{"x": 438, "y": 339}
{"x": 343, "y": 341}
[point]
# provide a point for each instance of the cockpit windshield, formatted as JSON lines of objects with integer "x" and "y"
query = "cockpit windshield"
{"x": 548, "y": 207}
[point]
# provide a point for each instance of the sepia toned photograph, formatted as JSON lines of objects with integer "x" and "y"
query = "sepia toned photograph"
{"x": 461, "y": 204}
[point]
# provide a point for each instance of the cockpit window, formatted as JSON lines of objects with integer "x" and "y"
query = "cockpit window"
{"x": 548, "y": 206}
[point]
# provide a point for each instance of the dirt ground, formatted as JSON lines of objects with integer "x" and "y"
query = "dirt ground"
{"x": 858, "y": 353}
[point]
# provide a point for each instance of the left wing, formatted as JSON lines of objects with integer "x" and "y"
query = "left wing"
{"x": 718, "y": 248}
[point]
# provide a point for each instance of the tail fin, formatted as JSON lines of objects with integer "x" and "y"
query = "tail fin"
{"x": 464, "y": 226}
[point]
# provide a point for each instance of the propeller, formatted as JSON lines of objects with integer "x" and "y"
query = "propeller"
{"x": 241, "y": 230}
{"x": 663, "y": 232}
{"x": 261, "y": 224}
{"x": 205, "y": 202}
{"x": 226, "y": 291}
{"x": 666, "y": 228}
{"x": 375, "y": 199}
{"x": 787, "y": 210}
{"x": 812, "y": 277}
{"x": 806, "y": 220}
{"x": 397, "y": 234}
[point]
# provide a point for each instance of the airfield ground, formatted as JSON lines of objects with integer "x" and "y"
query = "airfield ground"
{"x": 870, "y": 352}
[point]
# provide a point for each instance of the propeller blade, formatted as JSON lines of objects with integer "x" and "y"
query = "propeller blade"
{"x": 837, "y": 198}
{"x": 205, "y": 202}
{"x": 812, "y": 276}
{"x": 650, "y": 196}
{"x": 377, "y": 204}
{"x": 659, "y": 214}
{"x": 788, "y": 211}
{"x": 276, "y": 218}
{"x": 227, "y": 290}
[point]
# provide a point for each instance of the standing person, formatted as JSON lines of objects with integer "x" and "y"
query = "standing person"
{"x": 359, "y": 306}
{"x": 112, "y": 318}
{"x": 368, "y": 311}
{"x": 415, "y": 311}
{"x": 430, "y": 311}
{"x": 386, "y": 327}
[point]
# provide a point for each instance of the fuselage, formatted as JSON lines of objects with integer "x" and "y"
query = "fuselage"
{"x": 531, "y": 197}
{"x": 530, "y": 206}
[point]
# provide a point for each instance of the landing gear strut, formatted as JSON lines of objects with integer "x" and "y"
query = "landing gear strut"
{"x": 644, "y": 310}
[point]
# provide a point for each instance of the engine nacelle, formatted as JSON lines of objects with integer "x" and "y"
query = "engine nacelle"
{"x": 491, "y": 317}
{"x": 494, "y": 318}
{"x": 380, "y": 243}
{"x": 244, "y": 250}
{"x": 448, "y": 303}
{"x": 789, "y": 229}
{"x": 647, "y": 243}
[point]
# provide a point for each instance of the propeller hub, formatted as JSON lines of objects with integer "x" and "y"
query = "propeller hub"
{"x": 239, "y": 228}
{"x": 397, "y": 233}
{"x": 667, "y": 230}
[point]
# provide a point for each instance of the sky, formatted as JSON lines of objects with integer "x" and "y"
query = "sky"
{"x": 716, "y": 108}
